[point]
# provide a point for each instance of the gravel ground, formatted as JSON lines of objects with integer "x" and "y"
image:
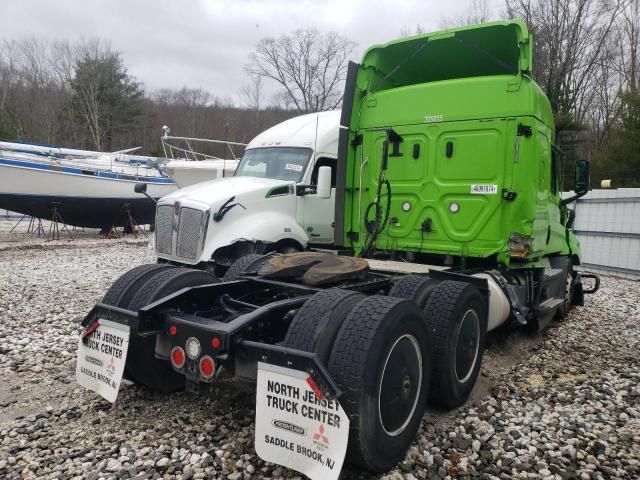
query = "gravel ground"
{"x": 562, "y": 405}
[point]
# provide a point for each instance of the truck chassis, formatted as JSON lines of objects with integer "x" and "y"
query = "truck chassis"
{"x": 189, "y": 335}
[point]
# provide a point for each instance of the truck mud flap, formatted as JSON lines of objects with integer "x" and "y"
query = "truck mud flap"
{"x": 102, "y": 311}
{"x": 249, "y": 353}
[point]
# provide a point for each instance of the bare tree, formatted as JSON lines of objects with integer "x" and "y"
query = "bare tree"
{"x": 251, "y": 93}
{"x": 8, "y": 75}
{"x": 309, "y": 67}
{"x": 252, "y": 96}
{"x": 629, "y": 46}
{"x": 476, "y": 11}
{"x": 408, "y": 32}
{"x": 572, "y": 40}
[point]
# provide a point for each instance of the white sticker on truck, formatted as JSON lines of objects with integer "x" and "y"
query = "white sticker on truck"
{"x": 484, "y": 189}
{"x": 294, "y": 428}
{"x": 101, "y": 358}
{"x": 293, "y": 166}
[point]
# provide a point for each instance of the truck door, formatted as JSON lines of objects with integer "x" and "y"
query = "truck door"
{"x": 318, "y": 213}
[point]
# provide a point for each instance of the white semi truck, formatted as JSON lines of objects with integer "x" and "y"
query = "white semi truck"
{"x": 279, "y": 199}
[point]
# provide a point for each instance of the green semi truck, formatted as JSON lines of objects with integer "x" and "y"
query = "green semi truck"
{"x": 448, "y": 224}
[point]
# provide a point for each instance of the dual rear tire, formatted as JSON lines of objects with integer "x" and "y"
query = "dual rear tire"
{"x": 391, "y": 355}
{"x": 137, "y": 288}
{"x": 377, "y": 349}
{"x": 456, "y": 316}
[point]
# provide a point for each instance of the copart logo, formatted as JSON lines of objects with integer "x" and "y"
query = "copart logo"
{"x": 289, "y": 427}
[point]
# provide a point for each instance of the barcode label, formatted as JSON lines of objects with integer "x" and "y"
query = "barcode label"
{"x": 484, "y": 189}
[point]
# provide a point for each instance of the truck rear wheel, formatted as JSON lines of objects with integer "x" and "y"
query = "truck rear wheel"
{"x": 125, "y": 287}
{"x": 415, "y": 288}
{"x": 241, "y": 265}
{"x": 316, "y": 324}
{"x": 456, "y": 315}
{"x": 381, "y": 360}
{"x": 142, "y": 364}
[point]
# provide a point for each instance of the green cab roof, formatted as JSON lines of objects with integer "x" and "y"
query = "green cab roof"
{"x": 497, "y": 48}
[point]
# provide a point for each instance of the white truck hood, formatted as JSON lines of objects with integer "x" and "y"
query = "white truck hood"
{"x": 220, "y": 190}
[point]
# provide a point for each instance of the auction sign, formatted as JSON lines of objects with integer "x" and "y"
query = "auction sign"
{"x": 101, "y": 357}
{"x": 296, "y": 429}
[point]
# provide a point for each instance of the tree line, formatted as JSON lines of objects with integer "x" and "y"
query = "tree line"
{"x": 82, "y": 96}
{"x": 586, "y": 59}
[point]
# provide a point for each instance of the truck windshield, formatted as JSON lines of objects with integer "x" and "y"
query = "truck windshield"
{"x": 279, "y": 163}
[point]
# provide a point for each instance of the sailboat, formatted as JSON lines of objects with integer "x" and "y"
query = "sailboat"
{"x": 80, "y": 187}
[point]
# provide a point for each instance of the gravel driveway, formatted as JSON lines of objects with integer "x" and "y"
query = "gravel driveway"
{"x": 562, "y": 405}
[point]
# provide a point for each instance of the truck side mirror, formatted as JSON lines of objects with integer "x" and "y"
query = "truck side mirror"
{"x": 140, "y": 187}
{"x": 324, "y": 182}
{"x": 583, "y": 180}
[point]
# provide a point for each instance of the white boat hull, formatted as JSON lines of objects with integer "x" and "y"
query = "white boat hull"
{"x": 87, "y": 200}
{"x": 190, "y": 172}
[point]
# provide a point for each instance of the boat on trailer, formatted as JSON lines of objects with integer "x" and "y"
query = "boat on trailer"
{"x": 80, "y": 187}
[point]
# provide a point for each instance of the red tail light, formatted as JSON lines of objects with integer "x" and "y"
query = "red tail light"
{"x": 207, "y": 367}
{"x": 177, "y": 357}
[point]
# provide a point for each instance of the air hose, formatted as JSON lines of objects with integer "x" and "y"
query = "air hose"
{"x": 378, "y": 224}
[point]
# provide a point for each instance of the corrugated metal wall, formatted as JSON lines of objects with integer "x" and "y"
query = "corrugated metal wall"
{"x": 608, "y": 227}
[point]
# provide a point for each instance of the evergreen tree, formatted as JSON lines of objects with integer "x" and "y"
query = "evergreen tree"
{"x": 622, "y": 163}
{"x": 106, "y": 98}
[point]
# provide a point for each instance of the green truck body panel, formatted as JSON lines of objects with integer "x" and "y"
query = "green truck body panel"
{"x": 475, "y": 129}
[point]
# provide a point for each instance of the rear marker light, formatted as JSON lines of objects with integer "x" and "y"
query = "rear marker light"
{"x": 173, "y": 330}
{"x": 177, "y": 357}
{"x": 215, "y": 342}
{"x": 207, "y": 367}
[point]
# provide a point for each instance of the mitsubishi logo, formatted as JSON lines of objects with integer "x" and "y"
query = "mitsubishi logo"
{"x": 111, "y": 367}
{"x": 321, "y": 436}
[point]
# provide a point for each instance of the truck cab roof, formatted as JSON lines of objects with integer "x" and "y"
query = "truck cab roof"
{"x": 473, "y": 72}
{"x": 301, "y": 132}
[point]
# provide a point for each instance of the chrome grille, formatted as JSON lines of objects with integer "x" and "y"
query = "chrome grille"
{"x": 164, "y": 229}
{"x": 189, "y": 229}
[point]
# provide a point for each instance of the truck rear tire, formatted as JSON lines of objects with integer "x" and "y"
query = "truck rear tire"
{"x": 317, "y": 322}
{"x": 415, "y": 288}
{"x": 381, "y": 361}
{"x": 142, "y": 363}
{"x": 125, "y": 287}
{"x": 242, "y": 264}
{"x": 456, "y": 315}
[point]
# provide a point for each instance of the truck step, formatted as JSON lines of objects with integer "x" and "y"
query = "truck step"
{"x": 552, "y": 274}
{"x": 550, "y": 304}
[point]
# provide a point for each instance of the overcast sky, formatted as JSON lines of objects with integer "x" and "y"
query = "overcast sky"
{"x": 205, "y": 43}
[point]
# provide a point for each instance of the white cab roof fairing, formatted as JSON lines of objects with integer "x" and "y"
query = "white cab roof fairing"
{"x": 301, "y": 132}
